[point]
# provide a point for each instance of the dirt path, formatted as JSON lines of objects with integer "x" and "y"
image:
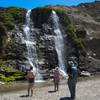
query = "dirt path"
{"x": 86, "y": 90}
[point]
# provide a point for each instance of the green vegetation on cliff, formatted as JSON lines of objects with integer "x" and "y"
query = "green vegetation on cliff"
{"x": 75, "y": 41}
{"x": 8, "y": 18}
{"x": 8, "y": 74}
{"x": 64, "y": 19}
{"x": 40, "y": 15}
{"x": 81, "y": 32}
{"x": 2, "y": 35}
{"x": 11, "y": 16}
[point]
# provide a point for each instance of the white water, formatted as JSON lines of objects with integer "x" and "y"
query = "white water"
{"x": 59, "y": 43}
{"x": 31, "y": 53}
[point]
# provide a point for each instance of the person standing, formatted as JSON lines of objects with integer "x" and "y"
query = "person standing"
{"x": 56, "y": 79}
{"x": 72, "y": 80}
{"x": 30, "y": 78}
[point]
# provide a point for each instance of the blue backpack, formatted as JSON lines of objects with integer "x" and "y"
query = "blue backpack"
{"x": 74, "y": 71}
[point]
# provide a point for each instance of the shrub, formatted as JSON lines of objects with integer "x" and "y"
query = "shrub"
{"x": 78, "y": 43}
{"x": 17, "y": 13}
{"x": 2, "y": 30}
{"x": 71, "y": 31}
{"x": 2, "y": 35}
{"x": 7, "y": 73}
{"x": 41, "y": 54}
{"x": 40, "y": 15}
{"x": 81, "y": 32}
{"x": 73, "y": 39}
{"x": 11, "y": 16}
{"x": 64, "y": 19}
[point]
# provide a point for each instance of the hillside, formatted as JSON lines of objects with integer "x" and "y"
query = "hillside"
{"x": 86, "y": 15}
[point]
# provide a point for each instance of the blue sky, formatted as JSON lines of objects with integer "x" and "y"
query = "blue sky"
{"x": 30, "y": 4}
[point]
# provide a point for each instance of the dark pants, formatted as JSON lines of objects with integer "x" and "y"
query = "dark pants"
{"x": 56, "y": 84}
{"x": 72, "y": 86}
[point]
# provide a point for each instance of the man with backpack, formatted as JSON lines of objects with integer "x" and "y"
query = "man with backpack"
{"x": 72, "y": 80}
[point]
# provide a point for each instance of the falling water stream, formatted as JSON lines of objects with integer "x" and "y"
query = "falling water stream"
{"x": 31, "y": 53}
{"x": 30, "y": 42}
{"x": 59, "y": 42}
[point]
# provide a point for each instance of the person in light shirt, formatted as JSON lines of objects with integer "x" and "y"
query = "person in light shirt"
{"x": 56, "y": 75}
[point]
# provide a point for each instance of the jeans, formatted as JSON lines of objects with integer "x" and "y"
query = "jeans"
{"x": 72, "y": 86}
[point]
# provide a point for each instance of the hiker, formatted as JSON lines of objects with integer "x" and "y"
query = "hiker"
{"x": 30, "y": 78}
{"x": 72, "y": 80}
{"x": 56, "y": 75}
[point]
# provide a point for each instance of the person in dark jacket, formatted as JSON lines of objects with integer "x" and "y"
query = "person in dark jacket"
{"x": 72, "y": 80}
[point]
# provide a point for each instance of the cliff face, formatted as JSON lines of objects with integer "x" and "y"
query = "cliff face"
{"x": 86, "y": 15}
{"x": 9, "y": 18}
{"x": 9, "y": 49}
{"x": 81, "y": 34}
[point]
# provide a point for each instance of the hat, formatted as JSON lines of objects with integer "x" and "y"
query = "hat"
{"x": 70, "y": 62}
{"x": 56, "y": 68}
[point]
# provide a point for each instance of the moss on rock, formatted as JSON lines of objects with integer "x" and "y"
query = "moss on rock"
{"x": 8, "y": 74}
{"x": 81, "y": 32}
{"x": 11, "y": 16}
{"x": 64, "y": 19}
{"x": 3, "y": 35}
{"x": 75, "y": 41}
{"x": 40, "y": 15}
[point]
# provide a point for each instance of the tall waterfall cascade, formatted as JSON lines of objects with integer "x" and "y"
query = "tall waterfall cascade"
{"x": 59, "y": 42}
{"x": 29, "y": 41}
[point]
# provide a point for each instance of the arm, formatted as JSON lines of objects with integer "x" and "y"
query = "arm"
{"x": 33, "y": 74}
{"x": 69, "y": 71}
{"x": 27, "y": 76}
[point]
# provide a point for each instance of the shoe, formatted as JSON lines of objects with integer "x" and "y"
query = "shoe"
{"x": 27, "y": 95}
{"x": 31, "y": 95}
{"x": 72, "y": 98}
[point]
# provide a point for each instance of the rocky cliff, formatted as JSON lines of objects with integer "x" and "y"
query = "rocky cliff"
{"x": 81, "y": 34}
{"x": 88, "y": 16}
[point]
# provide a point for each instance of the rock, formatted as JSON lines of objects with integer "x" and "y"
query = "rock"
{"x": 85, "y": 73}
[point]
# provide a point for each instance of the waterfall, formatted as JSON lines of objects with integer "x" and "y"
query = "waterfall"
{"x": 30, "y": 42}
{"x": 59, "y": 42}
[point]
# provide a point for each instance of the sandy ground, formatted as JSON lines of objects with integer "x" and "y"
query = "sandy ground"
{"x": 86, "y": 90}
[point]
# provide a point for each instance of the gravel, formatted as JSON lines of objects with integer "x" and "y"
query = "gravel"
{"x": 86, "y": 90}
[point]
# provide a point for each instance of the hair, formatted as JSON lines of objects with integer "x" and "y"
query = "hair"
{"x": 56, "y": 68}
{"x": 31, "y": 68}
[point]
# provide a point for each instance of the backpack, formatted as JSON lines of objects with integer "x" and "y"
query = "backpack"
{"x": 79, "y": 72}
{"x": 75, "y": 71}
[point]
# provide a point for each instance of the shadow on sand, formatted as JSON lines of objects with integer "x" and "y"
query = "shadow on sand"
{"x": 51, "y": 91}
{"x": 24, "y": 96}
{"x": 65, "y": 98}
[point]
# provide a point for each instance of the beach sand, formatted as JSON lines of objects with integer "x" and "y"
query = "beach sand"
{"x": 85, "y": 90}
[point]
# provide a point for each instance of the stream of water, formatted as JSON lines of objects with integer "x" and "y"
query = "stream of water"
{"x": 59, "y": 42}
{"x": 31, "y": 53}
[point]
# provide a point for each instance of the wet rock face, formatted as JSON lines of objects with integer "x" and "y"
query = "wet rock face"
{"x": 44, "y": 38}
{"x": 44, "y": 44}
{"x": 42, "y": 33}
{"x": 9, "y": 17}
{"x": 46, "y": 50}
